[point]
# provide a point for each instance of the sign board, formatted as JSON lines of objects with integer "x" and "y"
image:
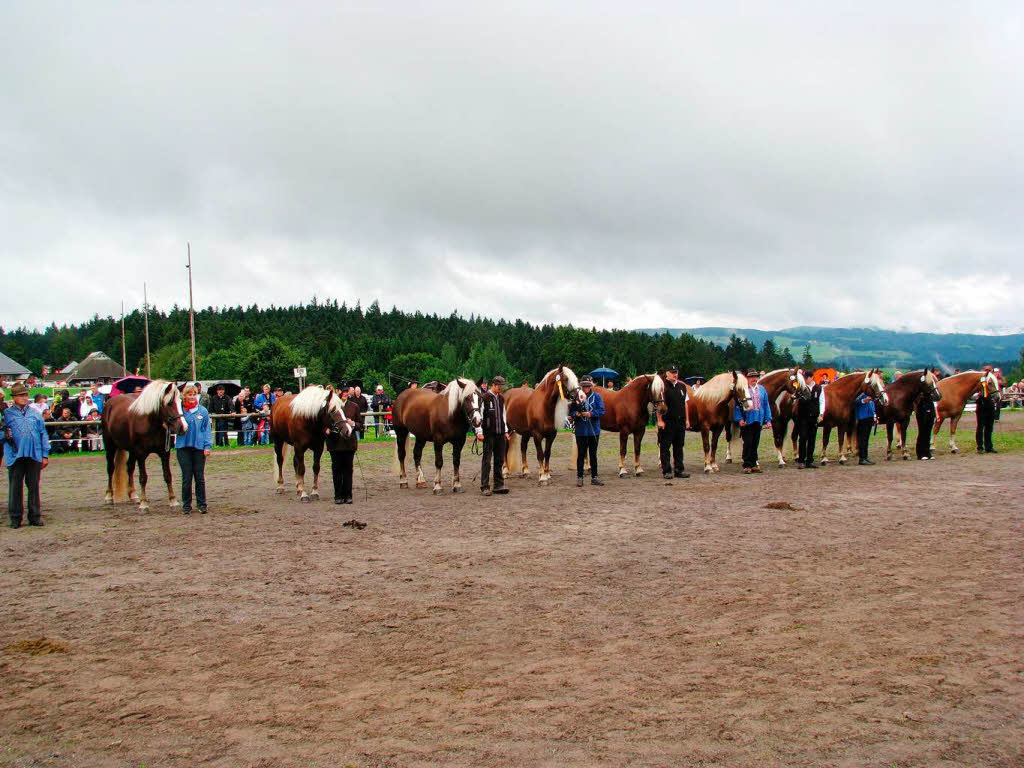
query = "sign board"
{"x": 299, "y": 373}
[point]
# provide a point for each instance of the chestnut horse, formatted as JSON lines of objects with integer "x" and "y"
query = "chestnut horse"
{"x": 710, "y": 410}
{"x": 840, "y": 411}
{"x": 538, "y": 413}
{"x": 626, "y": 412}
{"x": 135, "y": 426}
{"x": 956, "y": 390}
{"x": 781, "y": 385}
{"x": 903, "y": 394}
{"x": 440, "y": 417}
{"x": 301, "y": 421}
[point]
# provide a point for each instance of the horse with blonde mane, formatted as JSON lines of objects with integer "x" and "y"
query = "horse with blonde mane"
{"x": 440, "y": 417}
{"x": 840, "y": 411}
{"x": 627, "y": 411}
{"x": 782, "y": 385}
{"x": 710, "y": 410}
{"x": 538, "y": 413}
{"x": 134, "y": 426}
{"x": 955, "y": 391}
{"x": 302, "y": 422}
{"x": 903, "y": 395}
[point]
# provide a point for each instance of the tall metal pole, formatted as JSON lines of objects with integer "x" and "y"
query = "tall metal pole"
{"x": 145, "y": 304}
{"x": 191, "y": 313}
{"x": 124, "y": 357}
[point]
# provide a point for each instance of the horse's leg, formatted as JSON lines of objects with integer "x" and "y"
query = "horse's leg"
{"x": 299, "y": 463}
{"x": 794, "y": 436}
{"x": 111, "y": 455}
{"x": 779, "y": 437}
{"x": 402, "y": 446}
{"x": 935, "y": 431}
{"x": 637, "y": 439}
{"x": 728, "y": 444}
{"x": 457, "y": 446}
{"x": 953, "y": 421}
{"x": 165, "y": 462}
{"x": 438, "y": 463}
{"x": 843, "y": 438}
{"x": 548, "y": 442}
{"x": 705, "y": 438}
{"x": 314, "y": 494}
{"x": 524, "y": 448}
{"x": 623, "y": 439}
{"x": 888, "y": 436}
{"x": 542, "y": 477}
{"x": 904, "y": 426}
{"x": 143, "y": 479}
{"x": 279, "y": 455}
{"x": 132, "y": 461}
{"x": 417, "y": 457}
{"x": 826, "y": 433}
{"x": 715, "y": 433}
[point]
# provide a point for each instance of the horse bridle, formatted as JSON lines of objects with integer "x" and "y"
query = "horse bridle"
{"x": 650, "y": 391}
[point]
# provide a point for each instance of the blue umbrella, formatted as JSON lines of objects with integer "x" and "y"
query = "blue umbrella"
{"x": 604, "y": 374}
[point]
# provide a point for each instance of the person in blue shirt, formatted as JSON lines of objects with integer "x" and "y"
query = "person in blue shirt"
{"x": 865, "y": 421}
{"x": 26, "y": 454}
{"x": 261, "y": 405}
{"x": 752, "y": 422}
{"x": 192, "y": 448}
{"x": 586, "y": 414}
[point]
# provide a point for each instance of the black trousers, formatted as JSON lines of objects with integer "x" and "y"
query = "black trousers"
{"x": 493, "y": 455}
{"x": 220, "y": 435}
{"x": 807, "y": 436}
{"x": 586, "y": 445}
{"x": 864, "y": 436}
{"x": 193, "y": 469}
{"x": 751, "y": 435}
{"x": 925, "y": 422}
{"x": 23, "y": 472}
{"x": 341, "y": 473}
{"x": 671, "y": 439}
{"x": 986, "y": 414}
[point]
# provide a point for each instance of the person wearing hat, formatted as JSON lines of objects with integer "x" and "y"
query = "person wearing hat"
{"x": 495, "y": 435}
{"x": 220, "y": 404}
{"x": 866, "y": 419}
{"x": 26, "y": 454}
{"x": 807, "y": 411}
{"x": 752, "y": 422}
{"x": 586, "y": 414}
{"x": 343, "y": 447}
{"x": 380, "y": 404}
{"x": 672, "y": 425}
{"x": 988, "y": 397}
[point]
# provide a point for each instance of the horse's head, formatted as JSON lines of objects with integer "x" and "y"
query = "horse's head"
{"x": 798, "y": 385}
{"x": 171, "y": 413}
{"x": 656, "y": 390}
{"x": 467, "y": 397}
{"x": 566, "y": 383}
{"x": 332, "y": 414}
{"x": 930, "y": 385}
{"x": 741, "y": 391}
{"x": 874, "y": 385}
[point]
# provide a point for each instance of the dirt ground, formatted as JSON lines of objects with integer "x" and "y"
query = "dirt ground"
{"x": 877, "y": 623}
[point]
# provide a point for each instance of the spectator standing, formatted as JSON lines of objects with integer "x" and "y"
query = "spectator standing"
{"x": 261, "y": 405}
{"x": 26, "y": 453}
{"x": 220, "y": 405}
{"x": 192, "y": 449}
{"x": 39, "y": 403}
{"x": 204, "y": 397}
{"x": 586, "y": 414}
{"x": 364, "y": 406}
{"x": 380, "y": 404}
{"x": 866, "y": 419}
{"x": 98, "y": 399}
{"x": 752, "y": 422}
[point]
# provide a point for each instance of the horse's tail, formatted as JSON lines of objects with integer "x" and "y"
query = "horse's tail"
{"x": 512, "y": 455}
{"x": 120, "y": 479}
{"x": 396, "y": 465}
{"x": 575, "y": 453}
{"x": 285, "y": 447}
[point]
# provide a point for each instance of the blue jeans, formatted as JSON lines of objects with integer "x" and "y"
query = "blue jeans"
{"x": 247, "y": 432}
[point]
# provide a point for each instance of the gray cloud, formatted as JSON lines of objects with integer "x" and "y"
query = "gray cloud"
{"x": 666, "y": 164}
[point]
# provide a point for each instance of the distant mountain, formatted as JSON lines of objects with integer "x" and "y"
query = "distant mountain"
{"x": 866, "y": 347}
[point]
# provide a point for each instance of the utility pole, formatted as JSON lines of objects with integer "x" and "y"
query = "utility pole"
{"x": 124, "y": 358}
{"x": 191, "y": 312}
{"x": 145, "y": 304}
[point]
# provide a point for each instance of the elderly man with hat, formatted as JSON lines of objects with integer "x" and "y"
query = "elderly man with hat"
{"x": 586, "y": 414}
{"x": 988, "y": 400}
{"x": 494, "y": 436}
{"x": 379, "y": 404}
{"x": 752, "y": 422}
{"x": 26, "y": 453}
{"x": 672, "y": 425}
{"x": 220, "y": 404}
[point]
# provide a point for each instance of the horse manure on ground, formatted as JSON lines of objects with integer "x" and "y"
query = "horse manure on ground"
{"x": 41, "y": 646}
{"x": 354, "y": 524}
{"x": 782, "y": 505}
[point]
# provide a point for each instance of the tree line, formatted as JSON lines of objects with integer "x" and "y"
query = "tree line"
{"x": 335, "y": 342}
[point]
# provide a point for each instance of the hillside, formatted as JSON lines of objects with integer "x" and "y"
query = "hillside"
{"x": 851, "y": 347}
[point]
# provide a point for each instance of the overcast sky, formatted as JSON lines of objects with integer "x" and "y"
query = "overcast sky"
{"x": 611, "y": 164}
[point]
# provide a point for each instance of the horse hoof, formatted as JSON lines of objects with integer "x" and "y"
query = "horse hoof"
{"x": 457, "y": 489}
{"x": 143, "y": 507}
{"x": 314, "y": 496}
{"x": 623, "y": 473}
{"x": 279, "y": 489}
{"x": 954, "y": 450}
{"x": 437, "y": 489}
{"x": 108, "y": 499}
{"x": 906, "y": 457}
{"x": 842, "y": 461}
{"x": 175, "y": 503}
{"x": 421, "y": 485}
{"x": 403, "y": 485}
{"x": 728, "y": 459}
{"x": 707, "y": 470}
{"x": 304, "y": 499}
{"x": 638, "y": 471}
{"x": 824, "y": 461}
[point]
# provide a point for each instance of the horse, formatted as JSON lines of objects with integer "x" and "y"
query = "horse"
{"x": 440, "y": 417}
{"x": 538, "y": 413}
{"x": 626, "y": 412}
{"x": 840, "y": 410}
{"x": 300, "y": 422}
{"x": 956, "y": 390}
{"x": 903, "y": 393}
{"x": 134, "y": 426}
{"x": 781, "y": 385}
{"x": 710, "y": 410}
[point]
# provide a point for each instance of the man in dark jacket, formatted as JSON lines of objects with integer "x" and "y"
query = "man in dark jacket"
{"x": 586, "y": 414}
{"x": 220, "y": 404}
{"x": 495, "y": 434}
{"x": 343, "y": 447}
{"x": 379, "y": 404}
{"x": 807, "y": 412}
{"x": 672, "y": 425}
{"x": 988, "y": 398}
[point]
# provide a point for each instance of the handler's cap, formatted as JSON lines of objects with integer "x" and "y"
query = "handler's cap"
{"x": 987, "y": 368}
{"x": 752, "y": 372}
{"x": 18, "y": 389}
{"x": 499, "y": 380}
{"x": 672, "y": 369}
{"x": 343, "y": 385}
{"x": 380, "y": 387}
{"x": 586, "y": 381}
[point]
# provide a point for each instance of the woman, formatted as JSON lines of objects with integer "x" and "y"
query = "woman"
{"x": 343, "y": 448}
{"x": 192, "y": 448}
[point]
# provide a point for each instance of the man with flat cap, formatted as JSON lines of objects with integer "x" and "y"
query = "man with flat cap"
{"x": 26, "y": 454}
{"x": 672, "y": 425}
{"x": 494, "y": 436}
{"x": 988, "y": 397}
{"x": 752, "y": 422}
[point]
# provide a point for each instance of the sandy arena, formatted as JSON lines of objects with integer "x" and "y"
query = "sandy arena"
{"x": 878, "y": 622}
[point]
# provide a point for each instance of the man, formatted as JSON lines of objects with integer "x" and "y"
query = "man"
{"x": 220, "y": 404}
{"x": 26, "y": 453}
{"x": 97, "y": 398}
{"x": 672, "y": 425}
{"x": 85, "y": 404}
{"x": 925, "y": 412}
{"x": 807, "y": 428}
{"x": 988, "y": 397}
{"x": 379, "y": 404}
{"x": 343, "y": 448}
{"x": 821, "y": 397}
{"x": 364, "y": 406}
{"x": 204, "y": 397}
{"x": 67, "y": 434}
{"x": 39, "y": 403}
{"x": 586, "y": 414}
{"x": 494, "y": 436}
{"x": 752, "y": 422}
{"x": 866, "y": 419}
